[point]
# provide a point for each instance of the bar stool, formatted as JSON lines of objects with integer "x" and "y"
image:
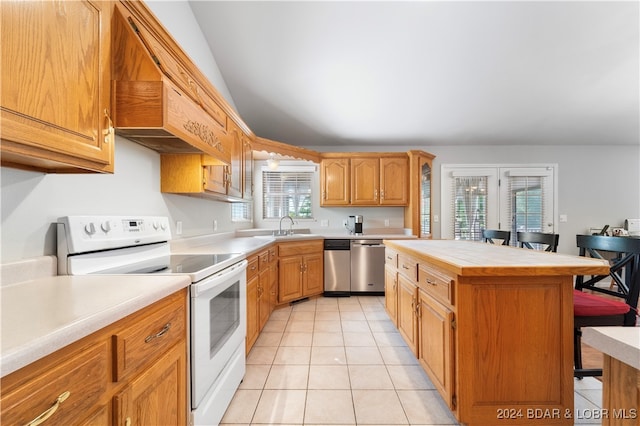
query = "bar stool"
{"x": 489, "y": 234}
{"x": 620, "y": 306}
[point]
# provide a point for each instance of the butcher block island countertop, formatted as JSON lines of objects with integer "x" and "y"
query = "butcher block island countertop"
{"x": 491, "y": 325}
{"x": 472, "y": 258}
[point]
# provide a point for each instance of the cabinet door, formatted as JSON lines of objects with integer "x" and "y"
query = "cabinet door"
{"x": 407, "y": 321}
{"x": 334, "y": 178}
{"x": 247, "y": 169}
{"x": 394, "y": 181}
{"x": 158, "y": 395}
{"x": 436, "y": 344}
{"x": 56, "y": 73}
{"x": 264, "y": 297}
{"x": 273, "y": 260}
{"x": 253, "y": 325}
{"x": 289, "y": 278}
{"x": 215, "y": 179}
{"x": 313, "y": 274}
{"x": 235, "y": 169}
{"x": 365, "y": 181}
{"x": 391, "y": 292}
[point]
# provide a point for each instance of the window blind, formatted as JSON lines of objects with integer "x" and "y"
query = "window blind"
{"x": 469, "y": 197}
{"x": 287, "y": 193}
{"x": 241, "y": 212}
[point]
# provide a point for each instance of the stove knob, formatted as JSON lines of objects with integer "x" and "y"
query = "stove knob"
{"x": 106, "y": 226}
{"x": 155, "y": 225}
{"x": 163, "y": 226}
{"x": 90, "y": 228}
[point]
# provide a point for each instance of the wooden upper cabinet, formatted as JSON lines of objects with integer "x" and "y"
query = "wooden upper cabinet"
{"x": 235, "y": 169}
{"x": 247, "y": 168}
{"x": 334, "y": 178}
{"x": 365, "y": 184}
{"x": 370, "y": 179}
{"x": 55, "y": 112}
{"x": 417, "y": 213}
{"x": 394, "y": 181}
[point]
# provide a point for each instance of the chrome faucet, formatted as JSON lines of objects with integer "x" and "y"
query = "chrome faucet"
{"x": 290, "y": 227}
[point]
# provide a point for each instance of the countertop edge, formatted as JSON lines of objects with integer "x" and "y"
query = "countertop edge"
{"x": 608, "y": 340}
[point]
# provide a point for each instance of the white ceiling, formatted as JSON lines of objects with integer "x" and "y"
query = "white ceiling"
{"x": 334, "y": 73}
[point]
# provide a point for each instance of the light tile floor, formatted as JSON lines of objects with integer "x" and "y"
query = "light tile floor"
{"x": 341, "y": 361}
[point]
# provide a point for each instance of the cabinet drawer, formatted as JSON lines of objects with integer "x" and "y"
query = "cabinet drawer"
{"x": 297, "y": 248}
{"x": 252, "y": 267}
{"x": 391, "y": 257}
{"x": 408, "y": 266}
{"x": 83, "y": 375}
{"x": 436, "y": 283}
{"x": 143, "y": 342}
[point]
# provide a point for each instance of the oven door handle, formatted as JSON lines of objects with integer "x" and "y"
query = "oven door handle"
{"x": 207, "y": 284}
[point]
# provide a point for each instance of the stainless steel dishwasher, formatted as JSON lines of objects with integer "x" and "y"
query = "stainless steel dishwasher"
{"x": 367, "y": 267}
{"x": 337, "y": 263}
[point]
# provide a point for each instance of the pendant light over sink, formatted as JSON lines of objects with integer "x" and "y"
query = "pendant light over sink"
{"x": 273, "y": 162}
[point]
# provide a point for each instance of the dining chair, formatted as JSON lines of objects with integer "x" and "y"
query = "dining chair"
{"x": 489, "y": 234}
{"x": 617, "y": 305}
{"x": 526, "y": 239}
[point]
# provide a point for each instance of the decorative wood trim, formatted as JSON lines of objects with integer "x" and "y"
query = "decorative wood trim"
{"x": 262, "y": 144}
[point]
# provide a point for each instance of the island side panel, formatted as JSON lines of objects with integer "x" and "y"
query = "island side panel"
{"x": 515, "y": 350}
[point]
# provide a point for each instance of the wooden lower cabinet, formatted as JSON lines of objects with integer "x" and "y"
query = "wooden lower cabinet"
{"x": 156, "y": 396}
{"x": 300, "y": 270}
{"x": 435, "y": 345}
{"x": 407, "y": 320}
{"x": 78, "y": 384}
{"x": 391, "y": 293}
{"x": 261, "y": 292}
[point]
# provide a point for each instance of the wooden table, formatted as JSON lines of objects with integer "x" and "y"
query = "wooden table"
{"x": 511, "y": 333}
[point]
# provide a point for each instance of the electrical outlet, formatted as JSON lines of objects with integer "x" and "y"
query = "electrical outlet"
{"x": 436, "y": 218}
{"x": 324, "y": 222}
{"x": 215, "y": 225}
{"x": 179, "y": 227}
{"x": 563, "y": 218}
{"x": 386, "y": 223}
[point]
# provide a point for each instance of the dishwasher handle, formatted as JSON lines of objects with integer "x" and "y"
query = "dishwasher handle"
{"x": 367, "y": 244}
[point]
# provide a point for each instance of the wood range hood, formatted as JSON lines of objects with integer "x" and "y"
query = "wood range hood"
{"x": 160, "y": 98}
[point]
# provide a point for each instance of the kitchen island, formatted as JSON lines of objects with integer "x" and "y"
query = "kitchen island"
{"x": 491, "y": 325}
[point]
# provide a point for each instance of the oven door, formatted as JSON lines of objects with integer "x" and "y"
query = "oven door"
{"x": 218, "y": 326}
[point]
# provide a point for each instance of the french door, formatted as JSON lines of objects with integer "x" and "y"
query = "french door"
{"x": 513, "y": 198}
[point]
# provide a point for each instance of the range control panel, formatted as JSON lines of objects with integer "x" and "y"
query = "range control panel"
{"x": 80, "y": 234}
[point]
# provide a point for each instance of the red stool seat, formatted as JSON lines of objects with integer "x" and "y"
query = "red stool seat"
{"x": 590, "y": 305}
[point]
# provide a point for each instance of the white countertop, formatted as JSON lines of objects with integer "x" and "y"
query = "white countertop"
{"x": 40, "y": 316}
{"x": 622, "y": 343}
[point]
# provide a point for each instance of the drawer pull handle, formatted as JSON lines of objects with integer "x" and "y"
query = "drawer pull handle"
{"x": 44, "y": 416}
{"x": 432, "y": 282}
{"x": 127, "y": 421}
{"x": 405, "y": 267}
{"x": 161, "y": 333}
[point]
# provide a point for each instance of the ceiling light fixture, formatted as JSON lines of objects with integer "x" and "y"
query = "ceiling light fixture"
{"x": 273, "y": 162}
